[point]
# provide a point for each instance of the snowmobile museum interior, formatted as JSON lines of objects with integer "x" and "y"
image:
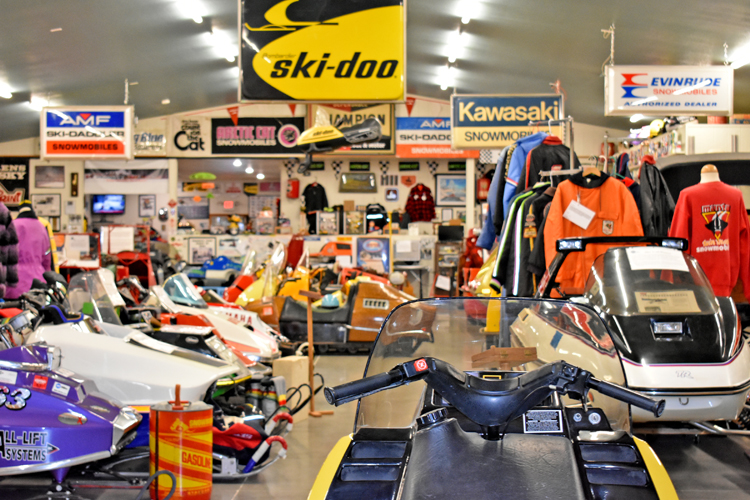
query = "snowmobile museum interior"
{"x": 374, "y": 249}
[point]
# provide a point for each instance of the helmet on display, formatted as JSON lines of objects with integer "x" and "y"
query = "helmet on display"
{"x": 657, "y": 127}
{"x": 329, "y": 302}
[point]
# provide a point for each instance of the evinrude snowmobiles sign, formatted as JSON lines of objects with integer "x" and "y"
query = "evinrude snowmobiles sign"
{"x": 303, "y": 50}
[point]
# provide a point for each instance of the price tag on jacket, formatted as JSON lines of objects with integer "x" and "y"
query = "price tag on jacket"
{"x": 579, "y": 214}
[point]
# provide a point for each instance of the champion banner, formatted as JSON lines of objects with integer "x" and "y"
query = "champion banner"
{"x": 496, "y": 121}
{"x": 348, "y": 50}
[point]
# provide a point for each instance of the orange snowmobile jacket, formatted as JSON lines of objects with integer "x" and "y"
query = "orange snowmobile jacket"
{"x": 616, "y": 214}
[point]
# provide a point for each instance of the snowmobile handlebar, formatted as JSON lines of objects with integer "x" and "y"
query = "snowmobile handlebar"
{"x": 491, "y": 402}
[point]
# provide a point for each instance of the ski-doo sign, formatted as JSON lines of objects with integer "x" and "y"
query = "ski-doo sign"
{"x": 496, "y": 121}
{"x": 87, "y": 132}
{"x": 666, "y": 90}
{"x": 301, "y": 50}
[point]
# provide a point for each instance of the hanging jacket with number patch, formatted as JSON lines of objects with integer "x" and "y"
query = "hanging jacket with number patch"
{"x": 615, "y": 214}
{"x": 550, "y": 155}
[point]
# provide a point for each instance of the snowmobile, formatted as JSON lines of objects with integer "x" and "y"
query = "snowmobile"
{"x": 45, "y": 408}
{"x": 323, "y": 136}
{"x": 673, "y": 337}
{"x": 481, "y": 426}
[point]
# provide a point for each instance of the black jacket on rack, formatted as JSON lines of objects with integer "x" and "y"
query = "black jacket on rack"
{"x": 657, "y": 204}
{"x": 551, "y": 154}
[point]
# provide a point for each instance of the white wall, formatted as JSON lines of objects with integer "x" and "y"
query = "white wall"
{"x": 70, "y": 167}
{"x": 588, "y": 138}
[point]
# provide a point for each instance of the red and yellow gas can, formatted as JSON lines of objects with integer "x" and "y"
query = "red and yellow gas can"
{"x": 181, "y": 440}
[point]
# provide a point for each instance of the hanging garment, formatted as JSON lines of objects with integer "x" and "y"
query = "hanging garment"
{"x": 657, "y": 204}
{"x": 498, "y": 215}
{"x": 34, "y": 257}
{"x": 615, "y": 214}
{"x": 516, "y": 166}
{"x": 315, "y": 200}
{"x": 420, "y": 205}
{"x": 488, "y": 235}
{"x": 713, "y": 218}
{"x": 622, "y": 166}
{"x": 550, "y": 155}
{"x": 8, "y": 251}
{"x": 537, "y": 263}
{"x": 500, "y": 268}
{"x": 519, "y": 281}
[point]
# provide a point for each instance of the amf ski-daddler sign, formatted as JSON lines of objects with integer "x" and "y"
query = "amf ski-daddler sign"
{"x": 306, "y": 50}
{"x": 486, "y": 122}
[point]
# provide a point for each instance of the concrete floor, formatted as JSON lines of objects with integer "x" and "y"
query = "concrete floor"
{"x": 713, "y": 468}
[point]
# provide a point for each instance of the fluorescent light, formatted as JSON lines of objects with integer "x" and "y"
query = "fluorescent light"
{"x": 223, "y": 45}
{"x": 249, "y": 170}
{"x": 37, "y": 103}
{"x": 636, "y": 118}
{"x": 192, "y": 9}
{"x": 165, "y": 101}
{"x": 5, "y": 92}
{"x": 467, "y": 10}
{"x": 237, "y": 163}
{"x": 685, "y": 90}
{"x": 446, "y": 77}
{"x": 456, "y": 42}
{"x": 740, "y": 62}
{"x": 235, "y": 71}
{"x": 740, "y": 57}
{"x": 465, "y": 19}
{"x": 260, "y": 176}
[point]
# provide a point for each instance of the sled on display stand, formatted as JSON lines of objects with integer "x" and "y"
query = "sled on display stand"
{"x": 130, "y": 248}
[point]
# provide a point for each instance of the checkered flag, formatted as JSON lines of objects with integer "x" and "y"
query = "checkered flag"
{"x": 384, "y": 164}
{"x": 485, "y": 156}
{"x": 432, "y": 166}
{"x": 481, "y": 169}
{"x": 336, "y": 164}
{"x": 289, "y": 165}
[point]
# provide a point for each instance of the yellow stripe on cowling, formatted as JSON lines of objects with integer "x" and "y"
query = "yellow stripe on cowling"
{"x": 328, "y": 471}
{"x": 662, "y": 482}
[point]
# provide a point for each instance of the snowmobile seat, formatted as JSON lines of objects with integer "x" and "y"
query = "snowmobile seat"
{"x": 297, "y": 311}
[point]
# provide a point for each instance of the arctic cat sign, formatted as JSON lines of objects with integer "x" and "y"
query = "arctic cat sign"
{"x": 486, "y": 122}
{"x": 302, "y": 50}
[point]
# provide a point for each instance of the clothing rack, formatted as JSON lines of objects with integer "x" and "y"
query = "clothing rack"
{"x": 614, "y": 140}
{"x": 555, "y": 173}
{"x": 561, "y": 121}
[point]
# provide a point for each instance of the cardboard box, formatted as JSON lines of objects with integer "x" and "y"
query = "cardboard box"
{"x": 348, "y": 205}
{"x": 294, "y": 369}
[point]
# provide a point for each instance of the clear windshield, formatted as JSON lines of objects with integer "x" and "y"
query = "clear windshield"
{"x": 460, "y": 329}
{"x": 274, "y": 266}
{"x": 648, "y": 280}
{"x": 250, "y": 263}
{"x": 183, "y": 292}
{"x": 87, "y": 294}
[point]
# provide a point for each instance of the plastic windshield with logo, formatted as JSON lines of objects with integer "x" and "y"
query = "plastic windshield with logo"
{"x": 183, "y": 292}
{"x": 647, "y": 281}
{"x": 87, "y": 294}
{"x": 460, "y": 330}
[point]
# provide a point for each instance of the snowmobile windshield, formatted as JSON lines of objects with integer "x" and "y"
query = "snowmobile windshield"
{"x": 649, "y": 280}
{"x": 183, "y": 292}
{"x": 250, "y": 263}
{"x": 88, "y": 295}
{"x": 465, "y": 332}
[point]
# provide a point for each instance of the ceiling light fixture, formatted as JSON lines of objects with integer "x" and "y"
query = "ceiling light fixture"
{"x": 260, "y": 176}
{"x": 192, "y": 9}
{"x": 37, "y": 103}
{"x": 456, "y": 42}
{"x": 55, "y": 30}
{"x": 636, "y": 118}
{"x": 467, "y": 10}
{"x": 165, "y": 101}
{"x": 5, "y": 92}
{"x": 237, "y": 163}
{"x": 249, "y": 170}
{"x": 447, "y": 77}
{"x": 223, "y": 44}
{"x": 740, "y": 58}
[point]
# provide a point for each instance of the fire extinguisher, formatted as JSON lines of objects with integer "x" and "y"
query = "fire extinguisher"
{"x": 292, "y": 188}
{"x": 483, "y": 188}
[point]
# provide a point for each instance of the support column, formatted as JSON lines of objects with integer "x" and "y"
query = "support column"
{"x": 471, "y": 184}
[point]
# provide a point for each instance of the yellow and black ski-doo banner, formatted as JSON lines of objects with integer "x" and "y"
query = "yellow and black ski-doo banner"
{"x": 312, "y": 50}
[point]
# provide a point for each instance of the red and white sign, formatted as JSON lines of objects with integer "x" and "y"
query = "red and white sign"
{"x": 87, "y": 132}
{"x": 420, "y": 365}
{"x": 427, "y": 138}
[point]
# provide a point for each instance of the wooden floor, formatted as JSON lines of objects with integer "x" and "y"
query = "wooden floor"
{"x": 713, "y": 468}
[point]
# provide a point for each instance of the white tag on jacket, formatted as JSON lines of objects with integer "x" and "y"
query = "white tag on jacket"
{"x": 579, "y": 214}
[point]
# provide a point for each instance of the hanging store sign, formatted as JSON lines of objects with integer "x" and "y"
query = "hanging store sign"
{"x": 347, "y": 115}
{"x": 87, "y": 132}
{"x": 189, "y": 136}
{"x": 14, "y": 180}
{"x": 496, "y": 121}
{"x": 427, "y": 138}
{"x": 256, "y": 136}
{"x": 150, "y": 138}
{"x": 348, "y": 50}
{"x": 665, "y": 90}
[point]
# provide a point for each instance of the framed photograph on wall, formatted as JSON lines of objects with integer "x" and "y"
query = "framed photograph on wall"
{"x": 147, "y": 205}
{"x": 446, "y": 214}
{"x": 450, "y": 190}
{"x": 46, "y": 205}
{"x": 201, "y": 249}
{"x": 357, "y": 182}
{"x": 49, "y": 177}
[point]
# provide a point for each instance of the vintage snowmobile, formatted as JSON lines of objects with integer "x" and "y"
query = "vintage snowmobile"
{"x": 477, "y": 429}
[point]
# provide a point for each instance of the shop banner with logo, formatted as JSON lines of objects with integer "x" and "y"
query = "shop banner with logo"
{"x": 496, "y": 121}
{"x": 666, "y": 90}
{"x": 346, "y": 51}
{"x": 427, "y": 138}
{"x": 347, "y": 115}
{"x": 150, "y": 138}
{"x": 126, "y": 177}
{"x": 87, "y": 132}
{"x": 14, "y": 180}
{"x": 256, "y": 136}
{"x": 189, "y": 136}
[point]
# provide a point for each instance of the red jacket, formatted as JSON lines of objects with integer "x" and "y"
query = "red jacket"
{"x": 713, "y": 218}
{"x": 615, "y": 215}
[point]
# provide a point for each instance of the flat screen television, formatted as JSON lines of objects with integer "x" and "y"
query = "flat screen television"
{"x": 108, "y": 204}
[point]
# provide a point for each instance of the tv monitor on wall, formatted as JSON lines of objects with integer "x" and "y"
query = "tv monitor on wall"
{"x": 113, "y": 204}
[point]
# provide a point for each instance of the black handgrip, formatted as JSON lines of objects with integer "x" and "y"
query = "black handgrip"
{"x": 628, "y": 396}
{"x": 359, "y": 388}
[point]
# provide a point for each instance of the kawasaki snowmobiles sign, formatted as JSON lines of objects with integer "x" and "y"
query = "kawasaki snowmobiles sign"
{"x": 304, "y": 50}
